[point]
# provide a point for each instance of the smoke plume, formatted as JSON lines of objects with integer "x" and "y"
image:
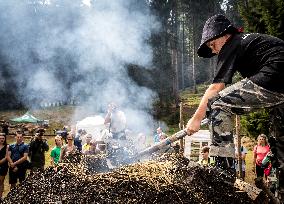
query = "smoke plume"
{"x": 57, "y": 50}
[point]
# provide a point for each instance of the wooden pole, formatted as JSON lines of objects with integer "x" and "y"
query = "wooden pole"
{"x": 181, "y": 127}
{"x": 238, "y": 137}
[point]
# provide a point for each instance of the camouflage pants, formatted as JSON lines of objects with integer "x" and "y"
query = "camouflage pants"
{"x": 239, "y": 98}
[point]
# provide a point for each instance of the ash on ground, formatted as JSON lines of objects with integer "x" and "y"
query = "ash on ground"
{"x": 166, "y": 179}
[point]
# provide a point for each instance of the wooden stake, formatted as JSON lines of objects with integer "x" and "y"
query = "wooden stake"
{"x": 181, "y": 127}
{"x": 238, "y": 137}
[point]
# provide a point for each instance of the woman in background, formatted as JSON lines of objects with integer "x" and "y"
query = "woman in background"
{"x": 3, "y": 161}
{"x": 69, "y": 148}
{"x": 55, "y": 152}
{"x": 259, "y": 152}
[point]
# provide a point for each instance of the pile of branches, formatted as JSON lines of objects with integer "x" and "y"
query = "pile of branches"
{"x": 166, "y": 179}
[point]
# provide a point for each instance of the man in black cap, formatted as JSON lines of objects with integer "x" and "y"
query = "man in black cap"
{"x": 259, "y": 58}
{"x": 37, "y": 149}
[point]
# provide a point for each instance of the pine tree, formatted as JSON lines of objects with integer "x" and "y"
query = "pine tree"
{"x": 263, "y": 16}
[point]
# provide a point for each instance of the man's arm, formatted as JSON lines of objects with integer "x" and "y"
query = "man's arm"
{"x": 9, "y": 157}
{"x": 45, "y": 145}
{"x": 108, "y": 115}
{"x": 193, "y": 124}
{"x": 24, "y": 158}
{"x": 107, "y": 118}
{"x": 5, "y": 158}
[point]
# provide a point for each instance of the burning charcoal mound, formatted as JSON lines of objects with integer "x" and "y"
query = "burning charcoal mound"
{"x": 165, "y": 179}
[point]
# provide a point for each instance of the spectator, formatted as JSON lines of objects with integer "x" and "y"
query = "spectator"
{"x": 64, "y": 134}
{"x": 162, "y": 136}
{"x": 86, "y": 149}
{"x": 205, "y": 159}
{"x": 117, "y": 122}
{"x": 55, "y": 152}
{"x": 38, "y": 147}
{"x": 158, "y": 134}
{"x": 78, "y": 139}
{"x": 244, "y": 152}
{"x": 3, "y": 162}
{"x": 69, "y": 148}
{"x": 259, "y": 152}
{"x": 17, "y": 158}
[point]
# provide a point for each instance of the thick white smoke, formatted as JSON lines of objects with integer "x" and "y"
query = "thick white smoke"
{"x": 56, "y": 50}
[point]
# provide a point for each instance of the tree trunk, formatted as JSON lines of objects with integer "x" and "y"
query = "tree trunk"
{"x": 175, "y": 77}
{"x": 174, "y": 52}
{"x": 182, "y": 56}
{"x": 239, "y": 146}
{"x": 193, "y": 56}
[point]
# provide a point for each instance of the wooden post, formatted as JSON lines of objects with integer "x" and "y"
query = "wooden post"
{"x": 238, "y": 137}
{"x": 181, "y": 127}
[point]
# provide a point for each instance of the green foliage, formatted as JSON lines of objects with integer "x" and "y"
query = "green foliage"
{"x": 264, "y": 16}
{"x": 190, "y": 99}
{"x": 255, "y": 123}
{"x": 172, "y": 118}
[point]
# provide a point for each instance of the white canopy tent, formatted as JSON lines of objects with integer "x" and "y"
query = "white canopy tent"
{"x": 93, "y": 125}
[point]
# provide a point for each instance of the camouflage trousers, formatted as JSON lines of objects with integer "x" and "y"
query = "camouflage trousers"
{"x": 239, "y": 98}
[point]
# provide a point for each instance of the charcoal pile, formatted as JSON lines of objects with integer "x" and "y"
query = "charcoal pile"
{"x": 166, "y": 179}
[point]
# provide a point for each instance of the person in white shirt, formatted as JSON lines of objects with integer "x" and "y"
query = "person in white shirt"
{"x": 117, "y": 122}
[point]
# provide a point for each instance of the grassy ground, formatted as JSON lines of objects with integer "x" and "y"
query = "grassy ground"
{"x": 250, "y": 175}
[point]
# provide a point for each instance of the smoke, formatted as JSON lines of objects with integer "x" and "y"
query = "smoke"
{"x": 56, "y": 50}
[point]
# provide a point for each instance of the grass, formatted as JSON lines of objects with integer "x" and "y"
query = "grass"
{"x": 190, "y": 99}
{"x": 250, "y": 175}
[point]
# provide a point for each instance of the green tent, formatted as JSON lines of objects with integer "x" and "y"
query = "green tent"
{"x": 26, "y": 118}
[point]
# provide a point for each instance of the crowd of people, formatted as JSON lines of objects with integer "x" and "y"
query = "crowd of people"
{"x": 261, "y": 160}
{"x": 18, "y": 158}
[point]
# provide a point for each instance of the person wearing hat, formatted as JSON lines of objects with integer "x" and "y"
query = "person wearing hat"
{"x": 37, "y": 149}
{"x": 259, "y": 58}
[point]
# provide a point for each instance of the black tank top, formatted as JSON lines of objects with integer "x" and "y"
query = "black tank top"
{"x": 3, "y": 155}
{"x": 3, "y": 152}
